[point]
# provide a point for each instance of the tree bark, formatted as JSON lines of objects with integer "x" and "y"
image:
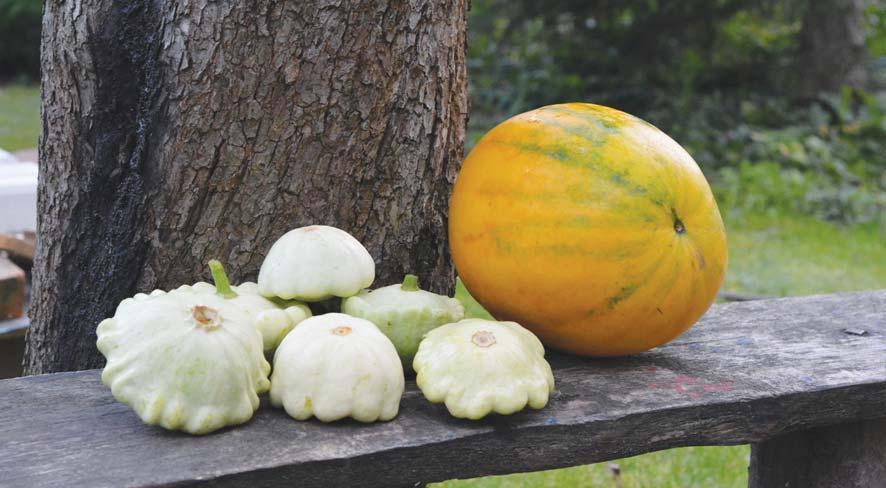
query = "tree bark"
{"x": 832, "y": 50}
{"x": 179, "y": 131}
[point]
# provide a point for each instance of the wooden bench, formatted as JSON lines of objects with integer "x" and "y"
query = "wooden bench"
{"x": 801, "y": 379}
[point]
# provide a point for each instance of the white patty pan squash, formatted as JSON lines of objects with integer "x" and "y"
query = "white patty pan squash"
{"x": 404, "y": 313}
{"x": 273, "y": 318}
{"x": 189, "y": 359}
{"x": 478, "y": 366}
{"x": 334, "y": 366}
{"x": 315, "y": 263}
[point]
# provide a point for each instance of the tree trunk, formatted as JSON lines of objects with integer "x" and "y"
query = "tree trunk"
{"x": 832, "y": 51}
{"x": 179, "y": 131}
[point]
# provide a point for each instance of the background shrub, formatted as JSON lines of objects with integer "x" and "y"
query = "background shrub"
{"x": 20, "y": 22}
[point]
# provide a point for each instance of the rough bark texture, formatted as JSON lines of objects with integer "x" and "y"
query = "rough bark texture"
{"x": 832, "y": 50}
{"x": 178, "y": 131}
{"x": 846, "y": 455}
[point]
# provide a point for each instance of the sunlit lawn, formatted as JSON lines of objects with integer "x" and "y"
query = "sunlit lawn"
{"x": 800, "y": 255}
{"x": 769, "y": 255}
{"x": 690, "y": 467}
{"x": 19, "y": 116}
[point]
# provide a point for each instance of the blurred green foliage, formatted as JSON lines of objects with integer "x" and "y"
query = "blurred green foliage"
{"x": 716, "y": 75}
{"x": 633, "y": 54}
{"x": 20, "y": 22}
{"x": 875, "y": 32}
{"x": 763, "y": 154}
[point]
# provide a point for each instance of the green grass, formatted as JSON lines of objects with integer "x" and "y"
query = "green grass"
{"x": 19, "y": 116}
{"x": 784, "y": 255}
{"x": 688, "y": 467}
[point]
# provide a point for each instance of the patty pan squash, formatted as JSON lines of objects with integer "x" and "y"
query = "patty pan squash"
{"x": 334, "y": 366}
{"x": 404, "y": 313}
{"x": 273, "y": 318}
{"x": 189, "y": 359}
{"x": 315, "y": 263}
{"x": 476, "y": 367}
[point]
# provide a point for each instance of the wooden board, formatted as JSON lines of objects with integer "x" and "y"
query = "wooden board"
{"x": 12, "y": 290}
{"x": 18, "y": 247}
{"x": 850, "y": 455}
{"x": 747, "y": 373}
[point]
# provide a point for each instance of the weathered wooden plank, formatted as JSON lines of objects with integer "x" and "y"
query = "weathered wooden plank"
{"x": 12, "y": 289}
{"x": 847, "y": 456}
{"x": 747, "y": 373}
{"x": 18, "y": 247}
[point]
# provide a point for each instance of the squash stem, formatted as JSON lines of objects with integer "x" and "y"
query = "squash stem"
{"x": 410, "y": 283}
{"x": 222, "y": 285}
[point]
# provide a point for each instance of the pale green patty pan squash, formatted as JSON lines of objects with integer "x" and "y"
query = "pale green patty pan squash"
{"x": 334, "y": 366}
{"x": 189, "y": 359}
{"x": 315, "y": 263}
{"x": 274, "y": 318}
{"x": 476, "y": 367}
{"x": 404, "y": 313}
